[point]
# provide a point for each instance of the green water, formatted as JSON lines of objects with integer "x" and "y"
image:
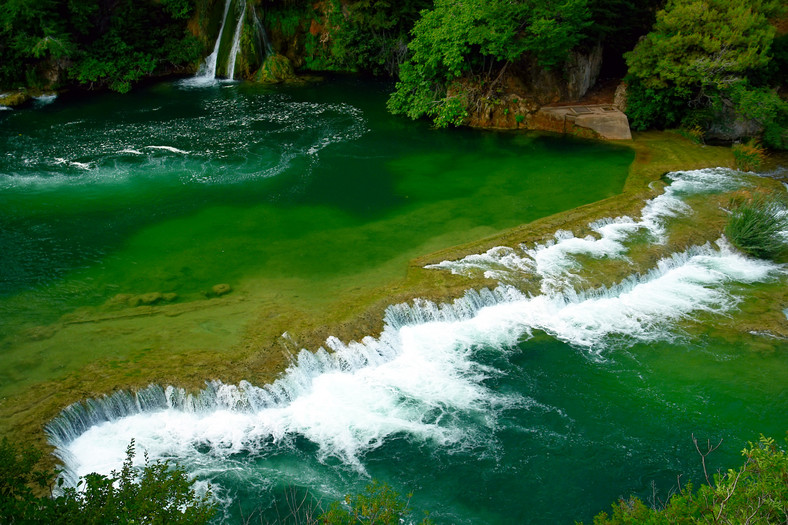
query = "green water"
{"x": 294, "y": 195}
{"x": 298, "y": 197}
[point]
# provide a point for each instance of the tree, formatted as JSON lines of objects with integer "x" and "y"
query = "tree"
{"x": 379, "y": 504}
{"x": 756, "y": 493}
{"x": 480, "y": 38}
{"x": 156, "y": 493}
{"x": 100, "y": 43}
{"x": 702, "y": 60}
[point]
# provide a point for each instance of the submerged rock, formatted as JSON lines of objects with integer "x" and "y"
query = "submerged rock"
{"x": 145, "y": 299}
{"x": 221, "y": 289}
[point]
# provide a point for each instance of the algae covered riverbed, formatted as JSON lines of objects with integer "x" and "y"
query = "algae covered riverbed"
{"x": 586, "y": 365}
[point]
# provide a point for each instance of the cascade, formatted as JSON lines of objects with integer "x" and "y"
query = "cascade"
{"x": 208, "y": 69}
{"x": 262, "y": 37}
{"x": 224, "y": 57}
{"x": 236, "y": 46}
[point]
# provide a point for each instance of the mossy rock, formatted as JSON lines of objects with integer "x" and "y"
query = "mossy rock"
{"x": 276, "y": 68}
{"x": 14, "y": 99}
{"x": 221, "y": 289}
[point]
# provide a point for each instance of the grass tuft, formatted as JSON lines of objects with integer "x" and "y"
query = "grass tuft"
{"x": 749, "y": 156}
{"x": 758, "y": 227}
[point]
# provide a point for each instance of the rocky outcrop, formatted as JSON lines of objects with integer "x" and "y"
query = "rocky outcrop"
{"x": 729, "y": 126}
{"x": 620, "y": 97}
{"x": 526, "y": 88}
{"x": 598, "y": 121}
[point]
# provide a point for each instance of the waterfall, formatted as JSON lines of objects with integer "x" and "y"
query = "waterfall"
{"x": 262, "y": 37}
{"x": 236, "y": 47}
{"x": 224, "y": 57}
{"x": 420, "y": 377}
{"x": 208, "y": 69}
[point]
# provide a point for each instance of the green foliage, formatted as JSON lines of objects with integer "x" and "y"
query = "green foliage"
{"x": 704, "y": 42}
{"x": 473, "y": 37}
{"x": 708, "y": 54}
{"x": 693, "y": 134}
{"x": 18, "y": 478}
{"x": 652, "y": 107}
{"x": 378, "y": 504}
{"x": 112, "y": 44}
{"x": 155, "y": 494}
{"x": 756, "y": 227}
{"x": 286, "y": 20}
{"x": 372, "y": 34}
{"x": 764, "y": 106}
{"x": 756, "y": 493}
{"x": 748, "y": 155}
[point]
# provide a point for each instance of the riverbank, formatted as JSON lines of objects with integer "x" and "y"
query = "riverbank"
{"x": 264, "y": 350}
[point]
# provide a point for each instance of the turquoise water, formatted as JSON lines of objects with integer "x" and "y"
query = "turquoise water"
{"x": 498, "y": 408}
{"x": 293, "y": 196}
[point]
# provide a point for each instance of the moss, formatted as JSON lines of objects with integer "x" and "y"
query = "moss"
{"x": 14, "y": 99}
{"x": 276, "y": 68}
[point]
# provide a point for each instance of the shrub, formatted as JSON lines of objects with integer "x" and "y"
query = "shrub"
{"x": 748, "y": 155}
{"x": 156, "y": 493}
{"x": 379, "y": 504}
{"x": 756, "y": 493}
{"x": 757, "y": 227}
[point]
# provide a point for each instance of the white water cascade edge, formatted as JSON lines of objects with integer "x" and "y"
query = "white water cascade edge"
{"x": 206, "y": 74}
{"x": 236, "y": 46}
{"x": 419, "y": 378}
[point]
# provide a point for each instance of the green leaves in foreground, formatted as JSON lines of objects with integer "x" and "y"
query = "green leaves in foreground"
{"x": 757, "y": 227}
{"x": 756, "y": 493}
{"x": 157, "y": 493}
{"x": 378, "y": 504}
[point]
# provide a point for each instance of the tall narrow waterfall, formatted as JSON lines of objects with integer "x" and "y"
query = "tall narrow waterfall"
{"x": 236, "y": 47}
{"x": 208, "y": 68}
{"x": 262, "y": 37}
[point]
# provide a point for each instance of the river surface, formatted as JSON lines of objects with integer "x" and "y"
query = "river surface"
{"x": 502, "y": 407}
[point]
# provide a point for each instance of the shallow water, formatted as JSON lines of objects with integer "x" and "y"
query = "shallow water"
{"x": 499, "y": 408}
{"x": 293, "y": 196}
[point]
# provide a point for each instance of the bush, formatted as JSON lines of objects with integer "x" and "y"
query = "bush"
{"x": 756, "y": 227}
{"x": 757, "y": 493}
{"x": 156, "y": 493}
{"x": 378, "y": 504}
{"x": 711, "y": 56}
{"x": 748, "y": 156}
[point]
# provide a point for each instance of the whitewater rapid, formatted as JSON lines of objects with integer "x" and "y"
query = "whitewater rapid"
{"x": 422, "y": 378}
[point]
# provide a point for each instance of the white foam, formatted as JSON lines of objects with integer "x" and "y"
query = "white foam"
{"x": 199, "y": 81}
{"x": 420, "y": 379}
{"x": 44, "y": 100}
{"x": 554, "y": 262}
{"x": 168, "y": 148}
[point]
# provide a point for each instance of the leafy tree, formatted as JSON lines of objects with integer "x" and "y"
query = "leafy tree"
{"x": 156, "y": 493}
{"x": 756, "y": 493}
{"x": 378, "y": 504}
{"x": 707, "y": 55}
{"x": 101, "y": 42}
{"x": 480, "y": 38}
{"x": 19, "y": 477}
